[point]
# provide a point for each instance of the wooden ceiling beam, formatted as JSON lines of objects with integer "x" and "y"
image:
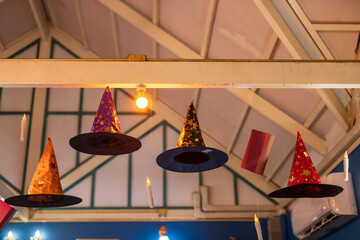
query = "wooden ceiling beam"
{"x": 150, "y": 29}
{"x": 36, "y": 9}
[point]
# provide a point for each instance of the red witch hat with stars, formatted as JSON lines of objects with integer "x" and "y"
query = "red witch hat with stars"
{"x": 191, "y": 154}
{"x": 105, "y": 137}
{"x": 304, "y": 182}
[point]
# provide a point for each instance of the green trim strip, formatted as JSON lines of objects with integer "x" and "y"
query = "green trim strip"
{"x": 79, "y": 122}
{"x": 92, "y": 197}
{"x": 15, "y": 113}
{"x": 164, "y": 171}
{"x": 27, "y": 142}
{"x": 37, "y": 41}
{"x": 89, "y": 173}
{"x": 252, "y": 185}
{"x": 236, "y": 198}
{"x": 56, "y": 42}
{"x": 129, "y": 180}
{"x": 76, "y": 167}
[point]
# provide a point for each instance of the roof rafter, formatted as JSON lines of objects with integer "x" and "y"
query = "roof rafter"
{"x": 40, "y": 22}
{"x": 150, "y": 29}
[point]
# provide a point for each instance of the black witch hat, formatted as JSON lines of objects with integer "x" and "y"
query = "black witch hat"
{"x": 191, "y": 154}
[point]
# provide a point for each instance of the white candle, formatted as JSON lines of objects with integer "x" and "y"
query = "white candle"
{"x": 149, "y": 193}
{"x": 23, "y": 128}
{"x": 346, "y": 167}
{"x": 258, "y": 228}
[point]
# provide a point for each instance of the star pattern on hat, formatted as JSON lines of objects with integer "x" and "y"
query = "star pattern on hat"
{"x": 303, "y": 170}
{"x": 106, "y": 119}
{"x": 190, "y": 135}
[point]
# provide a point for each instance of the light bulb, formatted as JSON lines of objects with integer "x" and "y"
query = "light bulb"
{"x": 37, "y": 234}
{"x": 10, "y": 234}
{"x": 141, "y": 102}
{"x": 163, "y": 238}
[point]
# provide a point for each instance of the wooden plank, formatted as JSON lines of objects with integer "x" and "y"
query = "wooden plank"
{"x": 89, "y": 73}
{"x": 282, "y": 29}
{"x": 209, "y": 25}
{"x": 36, "y": 10}
{"x": 335, "y": 106}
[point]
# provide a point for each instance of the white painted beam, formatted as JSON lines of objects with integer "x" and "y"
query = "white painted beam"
{"x": 314, "y": 34}
{"x": 90, "y": 73}
{"x": 72, "y": 44}
{"x": 115, "y": 32}
{"x": 282, "y": 29}
{"x": 80, "y": 19}
{"x": 335, "y": 106}
{"x": 36, "y": 10}
{"x": 19, "y": 43}
{"x": 150, "y": 29}
{"x": 280, "y": 118}
{"x": 50, "y": 12}
{"x": 155, "y": 20}
{"x": 353, "y": 27}
{"x": 209, "y": 25}
{"x": 2, "y": 46}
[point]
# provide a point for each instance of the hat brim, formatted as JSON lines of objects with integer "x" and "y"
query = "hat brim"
{"x": 52, "y": 200}
{"x": 104, "y": 143}
{"x": 307, "y": 190}
{"x": 192, "y": 159}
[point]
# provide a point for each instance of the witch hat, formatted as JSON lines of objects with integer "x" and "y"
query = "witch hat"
{"x": 45, "y": 188}
{"x": 105, "y": 137}
{"x": 191, "y": 154}
{"x": 304, "y": 182}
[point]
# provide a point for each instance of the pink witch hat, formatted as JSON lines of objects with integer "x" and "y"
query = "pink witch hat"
{"x": 105, "y": 137}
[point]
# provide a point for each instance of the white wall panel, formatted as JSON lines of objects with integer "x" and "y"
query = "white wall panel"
{"x": 221, "y": 186}
{"x": 64, "y": 99}
{"x": 83, "y": 191}
{"x": 249, "y": 196}
{"x": 144, "y": 164}
{"x": 92, "y": 98}
{"x": 59, "y": 52}
{"x": 31, "y": 52}
{"x": 111, "y": 188}
{"x": 12, "y": 154}
{"x": 15, "y": 99}
{"x": 60, "y": 128}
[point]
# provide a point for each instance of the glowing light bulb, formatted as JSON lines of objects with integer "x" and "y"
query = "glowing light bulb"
{"x": 37, "y": 234}
{"x": 163, "y": 238}
{"x": 141, "y": 102}
{"x": 10, "y": 234}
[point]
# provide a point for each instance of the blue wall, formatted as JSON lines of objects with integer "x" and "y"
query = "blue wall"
{"x": 137, "y": 230}
{"x": 352, "y": 227}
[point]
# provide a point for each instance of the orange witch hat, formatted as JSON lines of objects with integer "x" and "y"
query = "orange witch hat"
{"x": 105, "y": 137}
{"x": 45, "y": 188}
{"x": 304, "y": 180}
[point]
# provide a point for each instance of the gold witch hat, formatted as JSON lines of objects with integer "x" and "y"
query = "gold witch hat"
{"x": 191, "y": 154}
{"x": 45, "y": 188}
